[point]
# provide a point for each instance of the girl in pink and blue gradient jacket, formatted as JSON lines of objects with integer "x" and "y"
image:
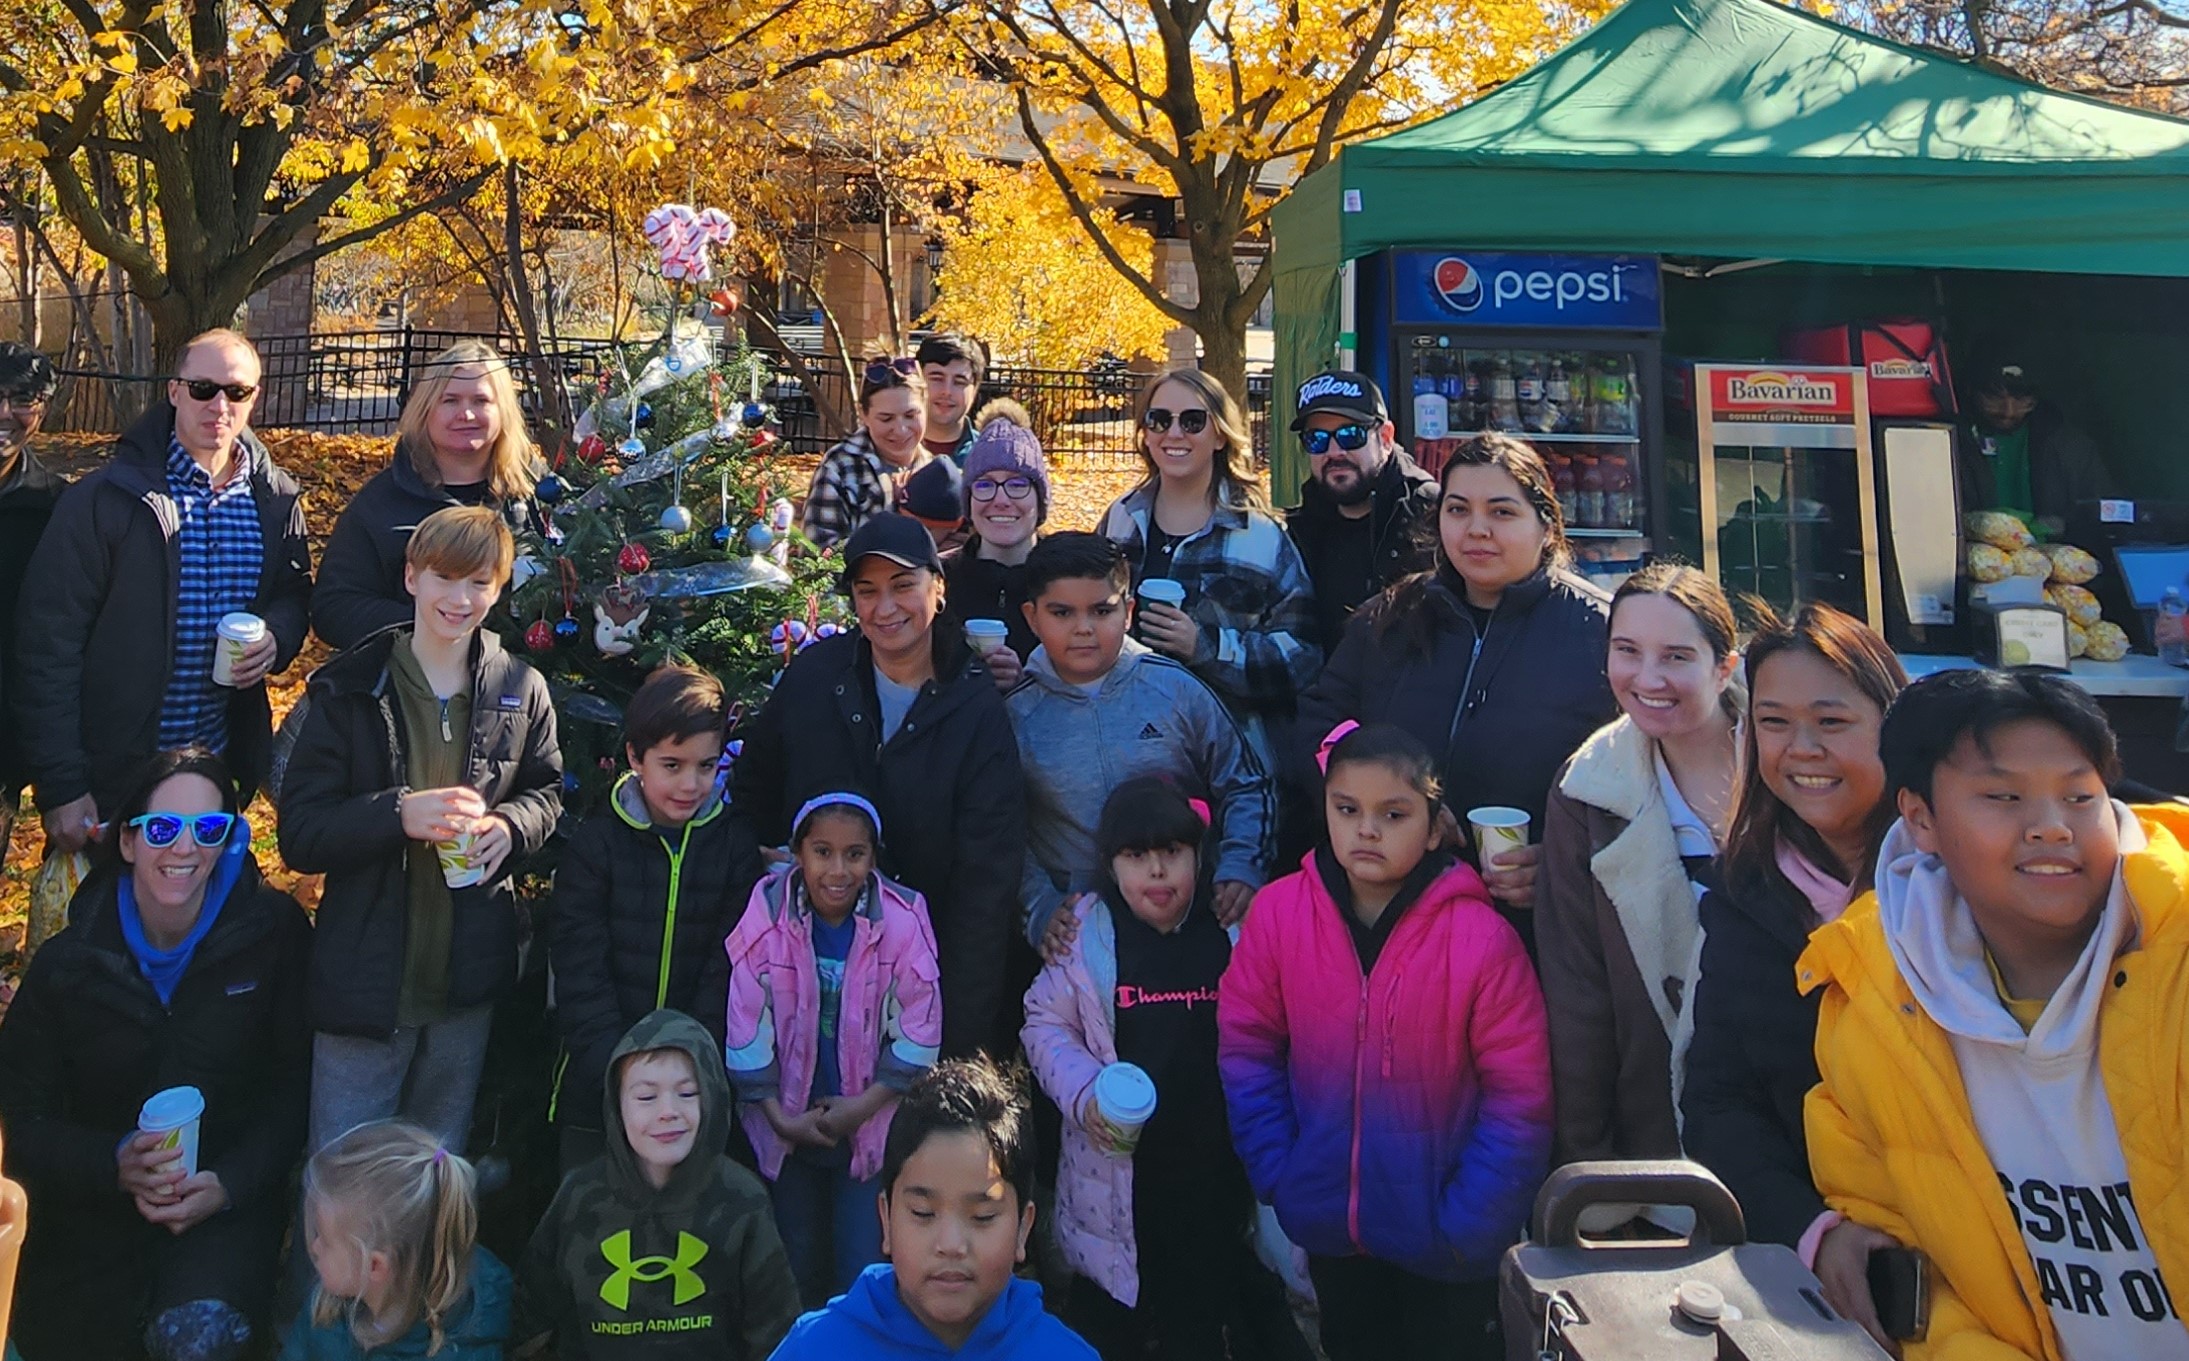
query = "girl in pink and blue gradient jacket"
{"x": 833, "y": 1011}
{"x": 1385, "y": 1060}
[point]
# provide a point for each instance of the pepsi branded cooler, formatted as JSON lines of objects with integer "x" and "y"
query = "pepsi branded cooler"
{"x": 1557, "y": 350}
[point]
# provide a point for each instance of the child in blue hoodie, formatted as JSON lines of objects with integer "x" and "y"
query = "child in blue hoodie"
{"x": 957, "y": 1207}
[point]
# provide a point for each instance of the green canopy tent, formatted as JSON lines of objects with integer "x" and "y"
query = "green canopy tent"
{"x": 1746, "y": 130}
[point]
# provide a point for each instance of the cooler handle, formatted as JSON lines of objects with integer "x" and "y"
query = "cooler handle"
{"x": 1671, "y": 1181}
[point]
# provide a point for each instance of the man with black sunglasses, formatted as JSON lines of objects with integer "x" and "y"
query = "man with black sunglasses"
{"x": 188, "y": 522}
{"x": 1358, "y": 512}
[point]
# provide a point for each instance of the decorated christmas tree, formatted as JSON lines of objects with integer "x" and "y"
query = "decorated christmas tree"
{"x": 673, "y": 537}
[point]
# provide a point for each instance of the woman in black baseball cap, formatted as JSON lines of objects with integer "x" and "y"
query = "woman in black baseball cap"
{"x": 904, "y": 711}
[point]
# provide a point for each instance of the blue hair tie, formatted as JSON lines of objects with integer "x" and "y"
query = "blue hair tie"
{"x": 838, "y": 799}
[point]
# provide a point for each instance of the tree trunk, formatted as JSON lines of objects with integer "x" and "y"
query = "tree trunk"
{"x": 547, "y": 384}
{"x": 1223, "y": 354}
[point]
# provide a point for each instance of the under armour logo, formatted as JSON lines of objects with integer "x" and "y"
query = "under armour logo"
{"x": 616, "y": 1290}
{"x": 1150, "y": 733}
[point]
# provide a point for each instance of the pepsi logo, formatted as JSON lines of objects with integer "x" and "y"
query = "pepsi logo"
{"x": 1458, "y": 284}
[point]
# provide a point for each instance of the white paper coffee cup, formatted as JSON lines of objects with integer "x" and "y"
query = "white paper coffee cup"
{"x": 1163, "y": 591}
{"x": 1124, "y": 1095}
{"x": 986, "y": 635}
{"x": 235, "y": 635}
{"x": 174, "y": 1115}
{"x": 459, "y": 864}
{"x": 1497, "y": 830}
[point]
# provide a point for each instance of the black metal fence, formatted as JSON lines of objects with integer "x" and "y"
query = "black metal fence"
{"x": 356, "y": 383}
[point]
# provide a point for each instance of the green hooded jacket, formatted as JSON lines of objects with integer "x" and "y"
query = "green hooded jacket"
{"x": 692, "y": 1270}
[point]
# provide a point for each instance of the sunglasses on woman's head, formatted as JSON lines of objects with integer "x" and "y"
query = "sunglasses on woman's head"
{"x": 878, "y": 370}
{"x": 1017, "y": 488}
{"x": 1346, "y": 437}
{"x": 205, "y": 389}
{"x": 161, "y": 830}
{"x": 1193, "y": 420}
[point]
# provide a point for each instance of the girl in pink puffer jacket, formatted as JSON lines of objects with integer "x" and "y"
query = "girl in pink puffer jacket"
{"x": 1157, "y": 1227}
{"x": 834, "y": 1009}
{"x": 1387, "y": 1063}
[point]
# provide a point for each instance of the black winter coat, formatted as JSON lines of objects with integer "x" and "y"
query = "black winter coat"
{"x": 948, "y": 787}
{"x": 339, "y": 818}
{"x": 639, "y": 919}
{"x": 87, "y": 1040}
{"x": 27, "y": 499}
{"x": 982, "y": 588}
{"x": 95, "y": 626}
{"x": 360, "y": 590}
{"x": 1533, "y": 687}
{"x": 1403, "y": 502}
{"x": 1753, "y": 1058}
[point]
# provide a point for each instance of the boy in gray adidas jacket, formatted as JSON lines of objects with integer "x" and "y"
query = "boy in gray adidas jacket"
{"x": 1097, "y": 708}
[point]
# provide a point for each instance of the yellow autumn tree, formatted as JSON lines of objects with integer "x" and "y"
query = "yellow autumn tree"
{"x": 1020, "y": 272}
{"x": 1219, "y": 105}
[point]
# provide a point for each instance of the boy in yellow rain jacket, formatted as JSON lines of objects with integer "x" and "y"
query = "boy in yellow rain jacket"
{"x": 2004, "y": 1037}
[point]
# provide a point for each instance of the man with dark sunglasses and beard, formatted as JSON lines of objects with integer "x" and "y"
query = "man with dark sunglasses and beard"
{"x": 119, "y": 630}
{"x": 1362, "y": 503}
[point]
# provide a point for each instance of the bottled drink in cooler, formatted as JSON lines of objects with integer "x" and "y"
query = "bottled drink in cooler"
{"x": 1557, "y": 398}
{"x": 1619, "y": 505}
{"x": 1528, "y": 389}
{"x": 1469, "y": 415}
{"x": 1589, "y": 498}
{"x": 1452, "y": 387}
{"x": 1503, "y": 396}
{"x": 1432, "y": 413}
{"x": 2170, "y": 631}
{"x": 1569, "y": 505}
{"x": 1613, "y": 394}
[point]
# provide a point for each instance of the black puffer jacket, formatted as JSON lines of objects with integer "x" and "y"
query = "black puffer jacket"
{"x": 27, "y": 498}
{"x": 339, "y": 818}
{"x": 1403, "y": 499}
{"x": 83, "y": 1045}
{"x": 1753, "y": 1058}
{"x": 982, "y": 588}
{"x": 948, "y": 787}
{"x": 95, "y": 625}
{"x": 360, "y": 588}
{"x": 1532, "y": 683}
{"x": 639, "y": 919}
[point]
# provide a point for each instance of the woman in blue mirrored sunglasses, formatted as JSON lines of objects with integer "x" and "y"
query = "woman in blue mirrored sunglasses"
{"x": 160, "y": 830}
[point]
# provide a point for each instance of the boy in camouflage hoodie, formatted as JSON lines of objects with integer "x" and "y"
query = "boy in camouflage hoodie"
{"x": 662, "y": 1247}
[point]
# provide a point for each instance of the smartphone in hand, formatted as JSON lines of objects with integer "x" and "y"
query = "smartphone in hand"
{"x": 1900, "y": 1288}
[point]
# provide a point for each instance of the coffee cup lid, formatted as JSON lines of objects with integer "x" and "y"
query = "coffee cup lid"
{"x": 1125, "y": 1090}
{"x": 1162, "y": 588}
{"x": 175, "y": 1106}
{"x": 242, "y": 624}
{"x": 986, "y": 626}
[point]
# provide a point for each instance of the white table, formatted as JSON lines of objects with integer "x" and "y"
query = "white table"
{"x": 2137, "y": 675}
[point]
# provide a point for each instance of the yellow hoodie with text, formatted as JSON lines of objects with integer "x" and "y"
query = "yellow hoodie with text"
{"x": 1894, "y": 1142}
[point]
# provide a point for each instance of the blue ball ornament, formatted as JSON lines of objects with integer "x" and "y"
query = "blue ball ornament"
{"x": 550, "y": 490}
{"x": 570, "y": 782}
{"x": 759, "y": 538}
{"x": 644, "y": 419}
{"x": 677, "y": 520}
{"x": 632, "y": 447}
{"x": 754, "y": 415}
{"x": 566, "y": 629}
{"x": 722, "y": 536}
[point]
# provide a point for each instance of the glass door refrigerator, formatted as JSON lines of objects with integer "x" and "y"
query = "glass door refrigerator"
{"x": 1560, "y": 351}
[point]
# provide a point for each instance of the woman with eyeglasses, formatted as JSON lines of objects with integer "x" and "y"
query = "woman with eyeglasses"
{"x": 1200, "y": 519}
{"x": 865, "y": 475}
{"x": 180, "y": 968}
{"x": 1006, "y": 502}
{"x": 461, "y": 442}
{"x": 1494, "y": 656}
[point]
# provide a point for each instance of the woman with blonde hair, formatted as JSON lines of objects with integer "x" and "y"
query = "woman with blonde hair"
{"x": 1200, "y": 519}
{"x": 461, "y": 441}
